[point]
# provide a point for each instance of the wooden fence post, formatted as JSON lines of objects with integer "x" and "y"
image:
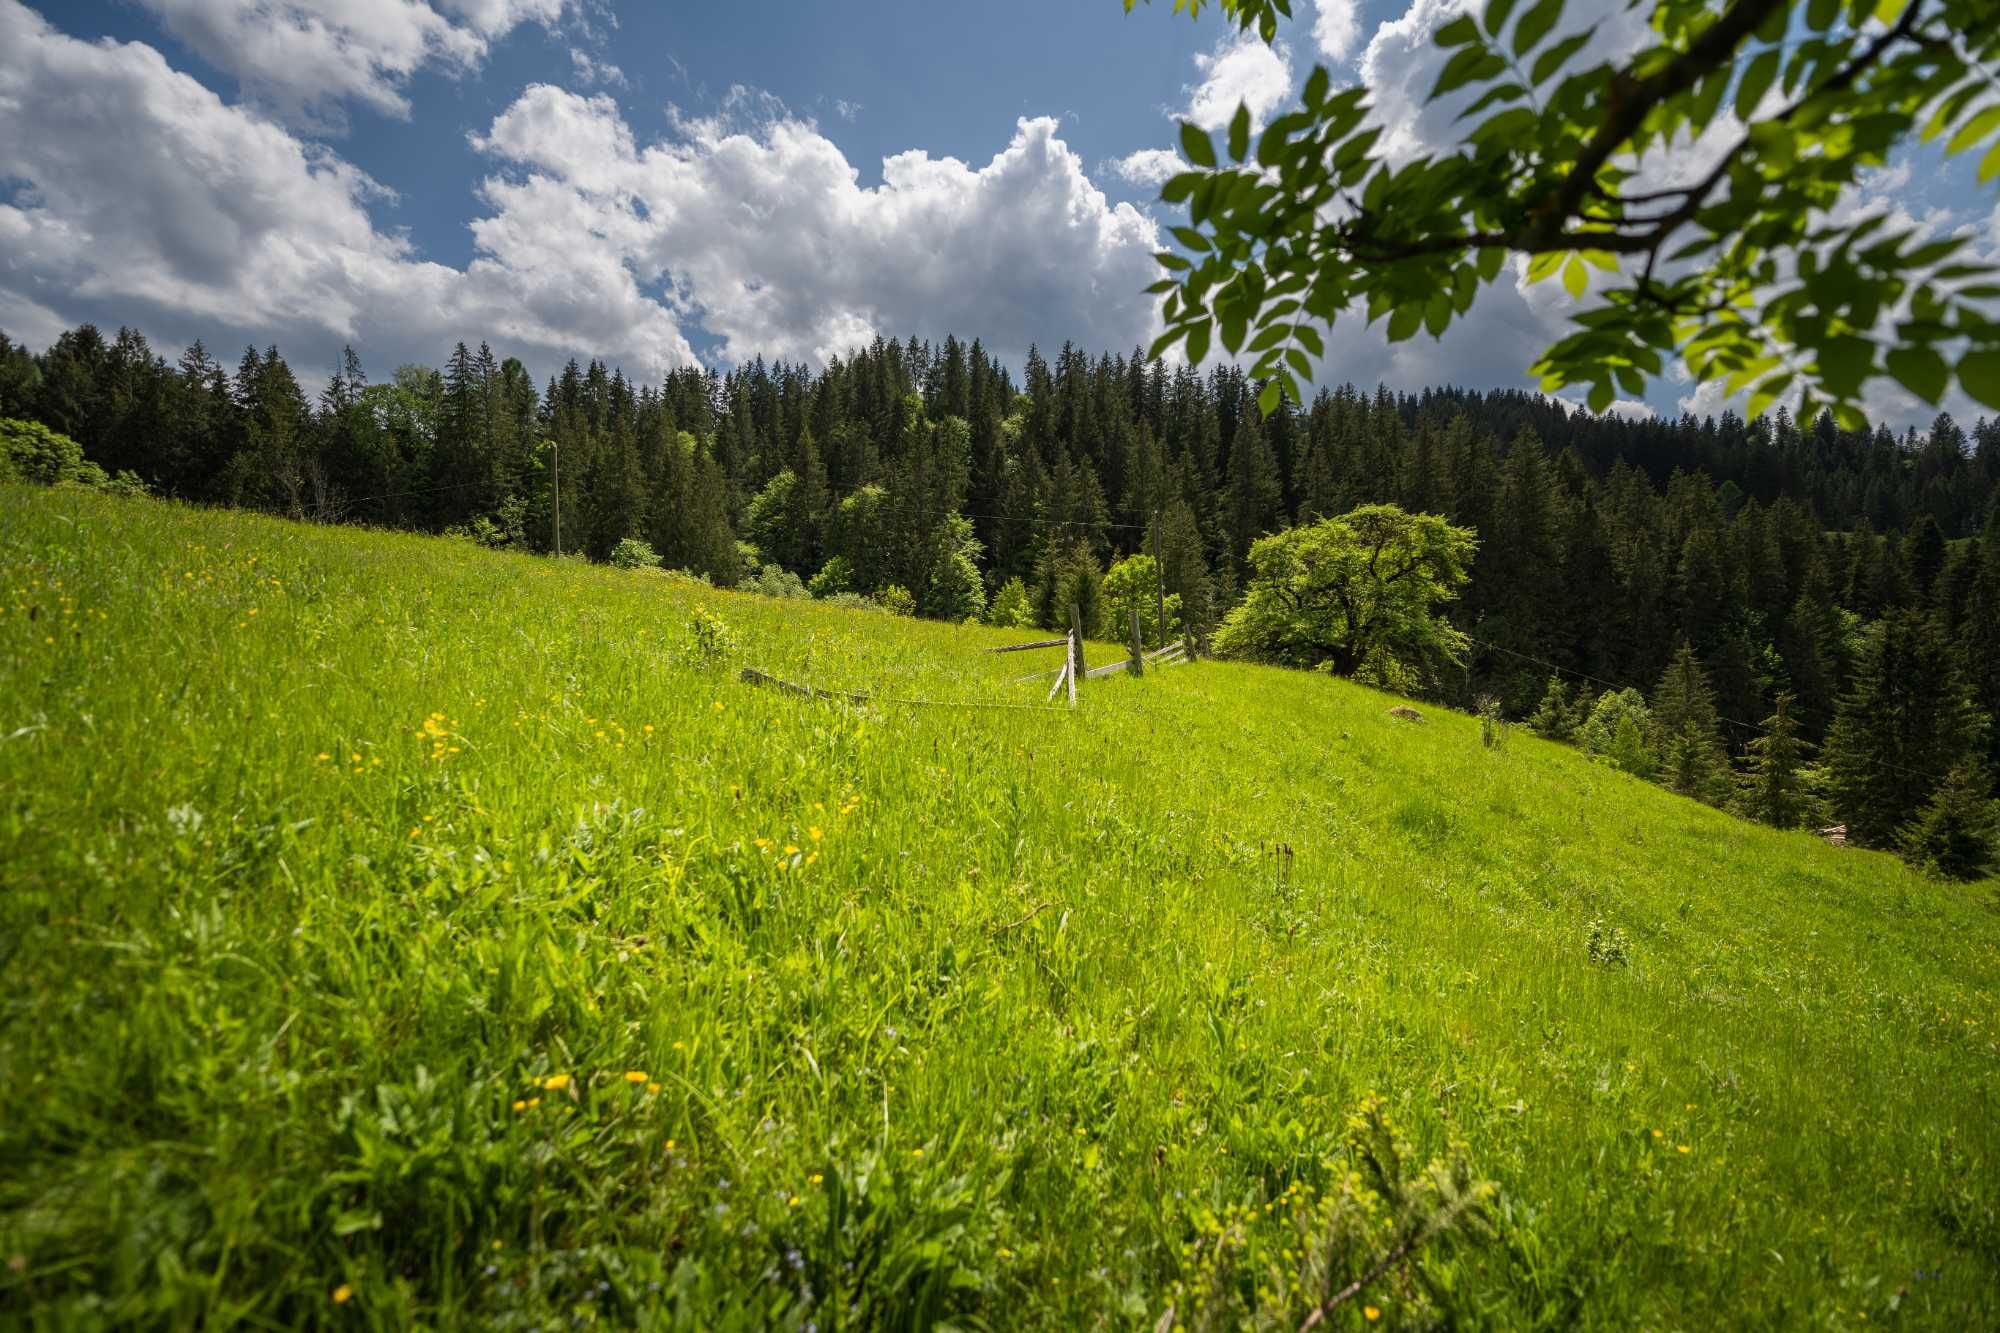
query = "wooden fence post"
{"x": 1076, "y": 667}
{"x": 1138, "y": 648}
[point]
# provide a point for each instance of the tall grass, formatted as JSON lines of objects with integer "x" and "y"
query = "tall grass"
{"x": 396, "y": 932}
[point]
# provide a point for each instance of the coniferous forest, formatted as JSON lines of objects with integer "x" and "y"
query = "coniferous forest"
{"x": 1793, "y": 620}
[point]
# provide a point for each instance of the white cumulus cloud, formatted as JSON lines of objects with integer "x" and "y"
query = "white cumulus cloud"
{"x": 760, "y": 228}
{"x": 141, "y": 197}
{"x": 305, "y": 59}
{"x": 1242, "y": 70}
{"x": 1336, "y": 27}
{"x": 1148, "y": 166}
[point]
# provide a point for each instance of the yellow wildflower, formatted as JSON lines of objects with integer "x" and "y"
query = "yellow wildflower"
{"x": 1370, "y": 1313}
{"x": 519, "y": 1106}
{"x": 1682, "y": 1148}
{"x": 813, "y": 833}
{"x": 342, "y": 1294}
{"x": 555, "y": 1083}
{"x": 635, "y": 1076}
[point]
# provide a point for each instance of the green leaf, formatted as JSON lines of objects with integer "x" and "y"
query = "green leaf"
{"x": 355, "y": 1219}
{"x": 1460, "y": 70}
{"x": 1197, "y": 146}
{"x": 1576, "y": 278}
{"x": 1989, "y": 166}
{"x": 1973, "y": 131}
{"x": 1437, "y": 313}
{"x": 1535, "y": 25}
{"x": 1491, "y": 260}
{"x": 1316, "y": 86}
{"x": 1267, "y": 398}
{"x": 1979, "y": 375}
{"x": 1757, "y": 80}
{"x": 1920, "y": 370}
{"x": 1191, "y": 238}
{"x": 1844, "y": 362}
{"x": 1197, "y": 342}
{"x": 1458, "y": 32}
{"x": 1496, "y": 15}
{"x": 1239, "y": 132}
{"x": 1180, "y": 187}
{"x": 1404, "y": 321}
{"x": 1553, "y": 59}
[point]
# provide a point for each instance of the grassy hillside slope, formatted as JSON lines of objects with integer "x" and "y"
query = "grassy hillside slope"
{"x": 395, "y": 931}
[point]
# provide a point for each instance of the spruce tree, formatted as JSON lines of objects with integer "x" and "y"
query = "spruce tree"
{"x": 1953, "y": 836}
{"x": 1774, "y": 787}
{"x": 1684, "y": 710}
{"x": 1907, "y": 719}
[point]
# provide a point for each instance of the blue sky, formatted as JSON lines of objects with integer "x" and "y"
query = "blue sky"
{"x": 658, "y": 183}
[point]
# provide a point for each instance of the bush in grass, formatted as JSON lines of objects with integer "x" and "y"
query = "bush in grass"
{"x": 30, "y": 451}
{"x": 632, "y": 553}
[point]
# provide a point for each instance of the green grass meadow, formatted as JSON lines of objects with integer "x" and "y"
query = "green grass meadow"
{"x": 396, "y": 933}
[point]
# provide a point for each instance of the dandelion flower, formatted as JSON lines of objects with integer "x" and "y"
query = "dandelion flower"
{"x": 635, "y": 1076}
{"x": 1682, "y": 1148}
{"x": 653, "y": 1088}
{"x": 816, "y": 1178}
{"x": 342, "y": 1294}
{"x": 916, "y": 1152}
{"x": 813, "y": 833}
{"x": 555, "y": 1083}
{"x": 1370, "y": 1313}
{"x": 520, "y": 1105}
{"x": 1658, "y": 1134}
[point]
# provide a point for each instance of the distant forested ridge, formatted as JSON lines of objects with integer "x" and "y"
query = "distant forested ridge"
{"x": 1732, "y": 563}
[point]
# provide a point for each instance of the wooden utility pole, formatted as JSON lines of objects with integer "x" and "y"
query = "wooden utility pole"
{"x": 1138, "y": 647}
{"x": 556, "y": 445}
{"x": 1160, "y": 575}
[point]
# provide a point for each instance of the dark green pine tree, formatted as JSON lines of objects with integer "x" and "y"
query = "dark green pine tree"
{"x": 1953, "y": 836}
{"x": 1256, "y": 501}
{"x": 1907, "y": 719}
{"x": 1773, "y": 787}
{"x": 1684, "y": 709}
{"x": 1184, "y": 568}
{"x": 1979, "y": 631}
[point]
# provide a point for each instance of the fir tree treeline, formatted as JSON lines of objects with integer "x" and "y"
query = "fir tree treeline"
{"x": 1691, "y": 581}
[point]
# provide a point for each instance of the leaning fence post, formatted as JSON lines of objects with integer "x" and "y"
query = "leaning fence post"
{"x": 1138, "y": 649}
{"x": 1076, "y": 667}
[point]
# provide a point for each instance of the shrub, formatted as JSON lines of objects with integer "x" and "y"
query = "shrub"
{"x": 774, "y": 581}
{"x": 483, "y": 531}
{"x": 631, "y": 553}
{"x": 836, "y": 576}
{"x": 1620, "y": 732}
{"x": 1607, "y": 945}
{"x": 708, "y": 634}
{"x": 1010, "y": 607}
{"x": 32, "y": 452}
{"x": 896, "y": 600}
